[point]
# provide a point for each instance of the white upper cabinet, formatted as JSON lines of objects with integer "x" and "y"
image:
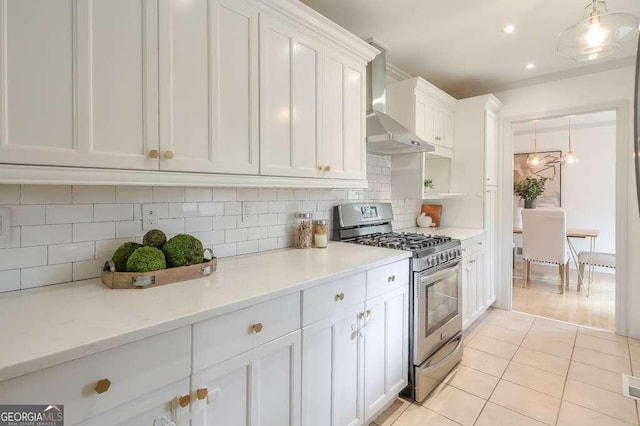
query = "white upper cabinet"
{"x": 79, "y": 83}
{"x": 491, "y": 148}
{"x": 208, "y": 86}
{"x": 426, "y": 110}
{"x": 290, "y": 101}
{"x": 344, "y": 149}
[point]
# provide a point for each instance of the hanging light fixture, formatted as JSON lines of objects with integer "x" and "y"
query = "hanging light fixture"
{"x": 569, "y": 157}
{"x": 600, "y": 33}
{"x": 535, "y": 159}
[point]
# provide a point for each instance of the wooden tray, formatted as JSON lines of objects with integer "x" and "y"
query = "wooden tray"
{"x": 128, "y": 280}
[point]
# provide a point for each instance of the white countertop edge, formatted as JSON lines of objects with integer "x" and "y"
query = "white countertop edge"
{"x": 91, "y": 347}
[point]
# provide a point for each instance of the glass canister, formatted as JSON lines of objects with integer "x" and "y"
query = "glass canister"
{"x": 303, "y": 236}
{"x": 320, "y": 233}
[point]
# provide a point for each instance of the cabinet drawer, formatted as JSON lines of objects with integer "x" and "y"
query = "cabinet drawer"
{"x": 223, "y": 337}
{"x": 134, "y": 370}
{"x": 387, "y": 277}
{"x": 324, "y": 300}
{"x": 472, "y": 245}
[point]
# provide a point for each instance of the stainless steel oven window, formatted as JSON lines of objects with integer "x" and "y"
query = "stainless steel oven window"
{"x": 441, "y": 301}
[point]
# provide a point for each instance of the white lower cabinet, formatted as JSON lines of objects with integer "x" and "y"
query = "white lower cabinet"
{"x": 477, "y": 292}
{"x": 260, "y": 387}
{"x": 385, "y": 349}
{"x": 332, "y": 370}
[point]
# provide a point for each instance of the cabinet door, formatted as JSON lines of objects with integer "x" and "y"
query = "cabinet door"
{"x": 208, "y": 86}
{"x": 449, "y": 121}
{"x": 424, "y": 124}
{"x": 79, "y": 83}
{"x": 343, "y": 100}
{"x": 481, "y": 285}
{"x": 470, "y": 284}
{"x": 385, "y": 349}
{"x": 290, "y": 101}
{"x": 260, "y": 387}
{"x": 332, "y": 365}
{"x": 144, "y": 410}
{"x": 438, "y": 125}
{"x": 490, "y": 148}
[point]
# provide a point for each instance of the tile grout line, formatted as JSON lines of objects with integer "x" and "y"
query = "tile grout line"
{"x": 566, "y": 379}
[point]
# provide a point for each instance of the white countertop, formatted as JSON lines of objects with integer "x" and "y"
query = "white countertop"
{"x": 55, "y": 324}
{"x": 453, "y": 232}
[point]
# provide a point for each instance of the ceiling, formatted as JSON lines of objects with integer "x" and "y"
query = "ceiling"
{"x": 459, "y": 45}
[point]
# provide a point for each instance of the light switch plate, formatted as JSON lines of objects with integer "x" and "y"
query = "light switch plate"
{"x": 5, "y": 225}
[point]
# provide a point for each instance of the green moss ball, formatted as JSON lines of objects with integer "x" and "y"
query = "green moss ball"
{"x": 146, "y": 259}
{"x": 183, "y": 250}
{"x": 154, "y": 238}
{"x": 122, "y": 254}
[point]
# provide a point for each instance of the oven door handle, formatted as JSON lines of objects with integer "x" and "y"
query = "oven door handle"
{"x": 449, "y": 356}
{"x": 429, "y": 278}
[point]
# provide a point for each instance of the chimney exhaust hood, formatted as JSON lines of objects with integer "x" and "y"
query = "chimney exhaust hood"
{"x": 384, "y": 134}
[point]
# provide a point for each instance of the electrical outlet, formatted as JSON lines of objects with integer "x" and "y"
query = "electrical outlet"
{"x": 246, "y": 211}
{"x": 149, "y": 217}
{"x": 5, "y": 225}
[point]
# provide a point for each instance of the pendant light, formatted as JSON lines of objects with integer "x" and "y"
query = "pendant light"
{"x": 569, "y": 158}
{"x": 600, "y": 33}
{"x": 535, "y": 159}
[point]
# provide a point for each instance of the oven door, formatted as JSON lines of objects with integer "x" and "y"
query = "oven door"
{"x": 437, "y": 310}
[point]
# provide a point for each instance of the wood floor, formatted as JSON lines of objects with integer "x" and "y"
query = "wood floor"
{"x": 541, "y": 297}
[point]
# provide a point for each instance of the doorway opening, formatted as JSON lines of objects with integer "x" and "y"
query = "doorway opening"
{"x": 584, "y": 189}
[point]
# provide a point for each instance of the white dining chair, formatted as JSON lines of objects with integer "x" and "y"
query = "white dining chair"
{"x": 544, "y": 239}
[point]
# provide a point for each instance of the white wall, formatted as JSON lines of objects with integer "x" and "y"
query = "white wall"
{"x": 581, "y": 94}
{"x": 588, "y": 186}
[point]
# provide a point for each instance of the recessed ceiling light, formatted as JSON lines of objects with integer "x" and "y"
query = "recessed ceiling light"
{"x": 530, "y": 65}
{"x": 509, "y": 29}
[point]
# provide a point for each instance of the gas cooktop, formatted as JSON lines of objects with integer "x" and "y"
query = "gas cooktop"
{"x": 402, "y": 240}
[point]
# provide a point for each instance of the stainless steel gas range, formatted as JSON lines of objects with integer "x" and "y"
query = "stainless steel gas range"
{"x": 435, "y": 325}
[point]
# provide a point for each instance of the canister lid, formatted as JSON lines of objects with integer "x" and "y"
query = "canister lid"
{"x": 320, "y": 222}
{"x": 302, "y": 215}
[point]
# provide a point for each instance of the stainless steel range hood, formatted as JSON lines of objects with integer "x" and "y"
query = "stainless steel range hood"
{"x": 384, "y": 134}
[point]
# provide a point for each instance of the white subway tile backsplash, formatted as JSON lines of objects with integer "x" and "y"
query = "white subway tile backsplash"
{"x": 9, "y": 280}
{"x": 45, "y": 194}
{"x": 171, "y": 226}
{"x": 106, "y": 248}
{"x": 168, "y": 194}
{"x": 129, "y": 229}
{"x": 94, "y": 231}
{"x": 88, "y": 269}
{"x": 23, "y": 257}
{"x": 69, "y": 213}
{"x": 27, "y": 215}
{"x": 113, "y": 212}
{"x": 82, "y": 226}
{"x": 247, "y": 194}
{"x": 224, "y": 250}
{"x": 134, "y": 194}
{"x": 193, "y": 224}
{"x": 234, "y": 235}
{"x": 14, "y": 239}
{"x": 73, "y": 252}
{"x": 211, "y": 209}
{"x": 258, "y": 233}
{"x": 94, "y": 194}
{"x": 268, "y": 244}
{"x": 194, "y": 195}
{"x": 40, "y": 235}
{"x": 225, "y": 194}
{"x": 45, "y": 275}
{"x": 232, "y": 208}
{"x": 245, "y": 247}
{"x": 224, "y": 222}
{"x": 9, "y": 194}
{"x": 183, "y": 210}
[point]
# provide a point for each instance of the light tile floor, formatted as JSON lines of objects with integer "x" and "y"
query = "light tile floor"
{"x": 523, "y": 370}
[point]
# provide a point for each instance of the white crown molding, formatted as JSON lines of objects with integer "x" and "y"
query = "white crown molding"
{"x": 555, "y": 76}
{"x": 397, "y": 73}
